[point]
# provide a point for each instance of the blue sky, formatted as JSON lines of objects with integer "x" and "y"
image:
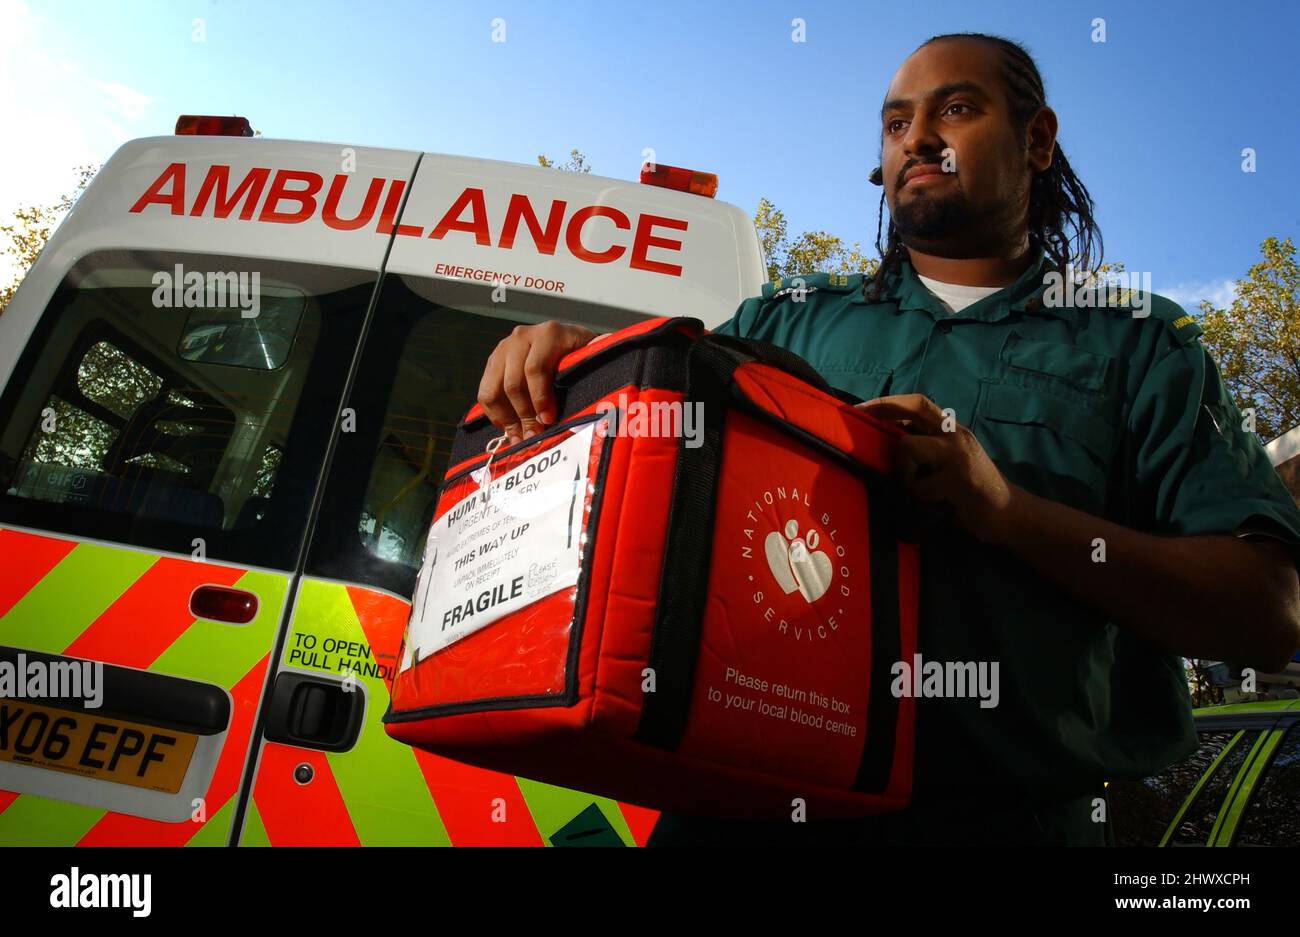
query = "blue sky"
{"x": 1154, "y": 119}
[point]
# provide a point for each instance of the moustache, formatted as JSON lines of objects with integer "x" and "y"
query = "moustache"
{"x": 902, "y": 176}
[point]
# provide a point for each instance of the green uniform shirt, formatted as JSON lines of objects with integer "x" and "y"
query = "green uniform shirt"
{"x": 1120, "y": 415}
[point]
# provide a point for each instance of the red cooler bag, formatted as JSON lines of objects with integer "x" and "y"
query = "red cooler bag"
{"x": 689, "y": 593}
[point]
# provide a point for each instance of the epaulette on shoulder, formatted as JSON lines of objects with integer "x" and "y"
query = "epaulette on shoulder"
{"x": 812, "y": 283}
{"x": 1141, "y": 304}
{"x": 1184, "y": 326}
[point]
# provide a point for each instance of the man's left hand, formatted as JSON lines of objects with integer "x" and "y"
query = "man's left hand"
{"x": 940, "y": 462}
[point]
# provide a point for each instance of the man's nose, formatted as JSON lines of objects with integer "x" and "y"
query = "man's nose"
{"x": 922, "y": 142}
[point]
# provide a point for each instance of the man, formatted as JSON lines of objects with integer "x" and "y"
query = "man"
{"x": 1108, "y": 511}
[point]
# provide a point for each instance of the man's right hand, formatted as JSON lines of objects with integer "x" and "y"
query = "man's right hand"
{"x": 517, "y": 391}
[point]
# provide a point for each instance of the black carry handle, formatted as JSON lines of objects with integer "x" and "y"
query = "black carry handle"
{"x": 657, "y": 336}
{"x": 751, "y": 349}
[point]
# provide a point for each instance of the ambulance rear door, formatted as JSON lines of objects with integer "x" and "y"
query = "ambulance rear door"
{"x": 173, "y": 369}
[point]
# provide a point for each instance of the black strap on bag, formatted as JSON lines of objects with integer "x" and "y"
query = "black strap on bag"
{"x": 683, "y": 585}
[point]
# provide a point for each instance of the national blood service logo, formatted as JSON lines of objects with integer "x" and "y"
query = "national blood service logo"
{"x": 797, "y": 570}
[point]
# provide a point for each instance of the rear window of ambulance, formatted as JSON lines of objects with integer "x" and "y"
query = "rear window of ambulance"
{"x": 420, "y": 370}
{"x": 148, "y": 410}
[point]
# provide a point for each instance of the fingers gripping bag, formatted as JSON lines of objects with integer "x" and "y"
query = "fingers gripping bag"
{"x": 688, "y": 593}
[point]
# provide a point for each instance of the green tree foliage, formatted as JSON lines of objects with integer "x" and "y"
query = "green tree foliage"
{"x": 771, "y": 236}
{"x": 26, "y": 235}
{"x": 1256, "y": 340}
{"x": 810, "y": 252}
{"x": 576, "y": 163}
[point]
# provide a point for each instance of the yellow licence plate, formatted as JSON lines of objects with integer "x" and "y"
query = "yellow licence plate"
{"x": 94, "y": 747}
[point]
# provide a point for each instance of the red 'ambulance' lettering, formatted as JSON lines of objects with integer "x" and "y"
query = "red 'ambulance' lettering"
{"x": 386, "y": 217}
{"x": 477, "y": 225}
{"x": 175, "y": 174}
{"x": 573, "y": 237}
{"x": 218, "y": 179}
{"x": 644, "y": 240}
{"x": 330, "y": 213}
{"x": 520, "y": 207}
{"x": 292, "y": 198}
{"x": 306, "y": 198}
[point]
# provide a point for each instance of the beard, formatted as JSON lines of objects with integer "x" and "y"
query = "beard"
{"x": 930, "y": 217}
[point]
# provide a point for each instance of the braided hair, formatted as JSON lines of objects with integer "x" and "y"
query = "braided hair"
{"x": 1058, "y": 201}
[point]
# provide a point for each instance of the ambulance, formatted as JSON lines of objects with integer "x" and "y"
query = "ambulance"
{"x": 230, "y": 383}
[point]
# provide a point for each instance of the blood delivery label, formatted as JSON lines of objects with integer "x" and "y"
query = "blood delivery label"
{"x": 501, "y": 548}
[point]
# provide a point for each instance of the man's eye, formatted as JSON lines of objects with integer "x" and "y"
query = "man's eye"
{"x": 891, "y": 126}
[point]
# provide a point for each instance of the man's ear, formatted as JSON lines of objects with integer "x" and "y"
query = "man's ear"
{"x": 1041, "y": 139}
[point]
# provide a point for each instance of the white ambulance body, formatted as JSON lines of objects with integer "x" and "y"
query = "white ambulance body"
{"x": 229, "y": 385}
{"x": 636, "y": 250}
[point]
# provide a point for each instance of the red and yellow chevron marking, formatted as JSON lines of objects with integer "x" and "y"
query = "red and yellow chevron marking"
{"x": 26, "y": 561}
{"x": 146, "y": 614}
{"x": 385, "y": 793}
{"x": 467, "y": 796}
{"x": 318, "y": 816}
{"x": 131, "y": 608}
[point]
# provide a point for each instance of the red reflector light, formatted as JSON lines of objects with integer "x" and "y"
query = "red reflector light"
{"x": 220, "y": 603}
{"x": 199, "y": 125}
{"x": 683, "y": 180}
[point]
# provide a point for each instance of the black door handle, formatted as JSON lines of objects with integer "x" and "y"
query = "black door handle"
{"x": 315, "y": 712}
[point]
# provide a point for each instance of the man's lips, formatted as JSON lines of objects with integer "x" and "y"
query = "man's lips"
{"x": 926, "y": 170}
